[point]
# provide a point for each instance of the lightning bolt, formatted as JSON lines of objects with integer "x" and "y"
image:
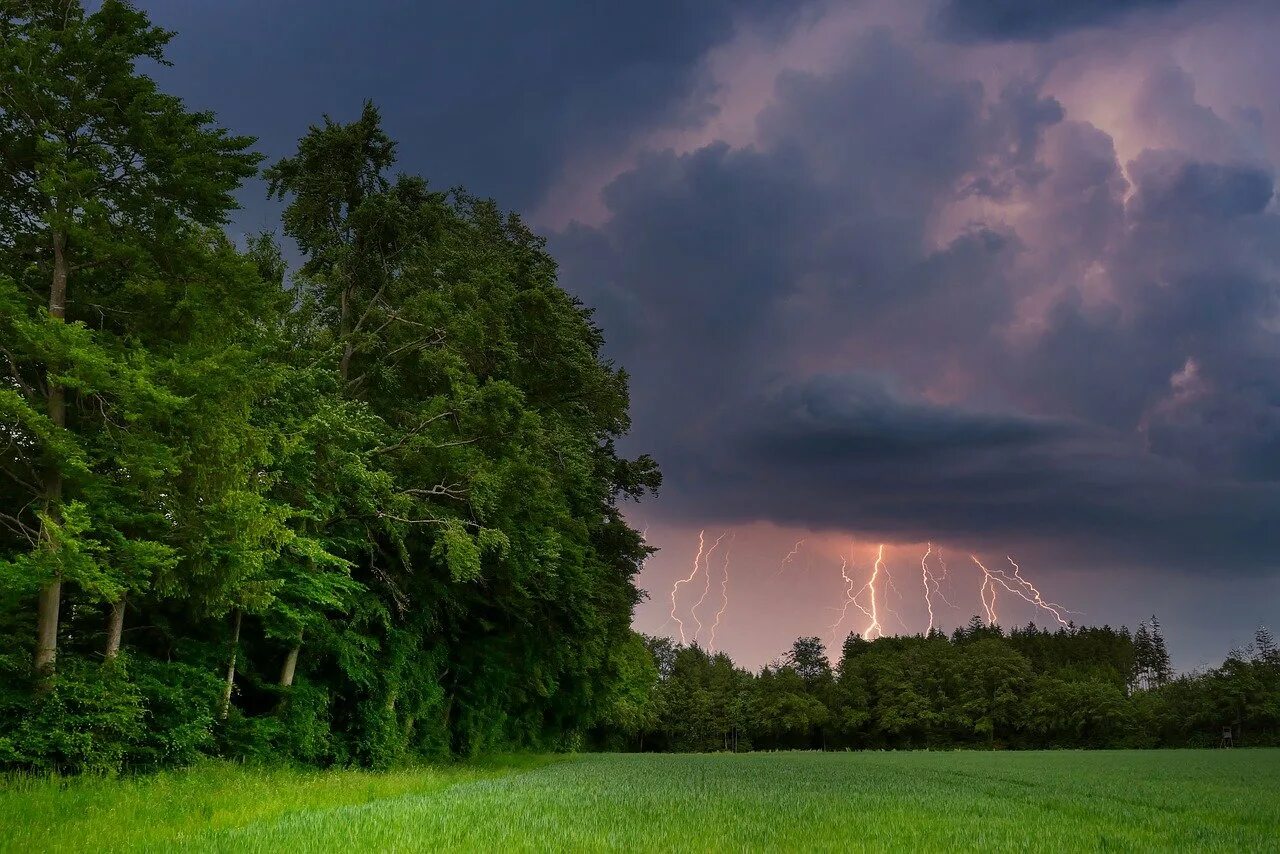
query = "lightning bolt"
{"x": 849, "y": 599}
{"x": 790, "y": 556}
{"x": 933, "y": 583}
{"x": 1018, "y": 586}
{"x": 937, "y": 581}
{"x": 676, "y": 587}
{"x": 867, "y": 599}
{"x": 873, "y": 629}
{"x": 988, "y": 586}
{"x": 1052, "y": 607}
{"x": 724, "y": 595}
{"x": 925, "y": 578}
{"x": 706, "y": 587}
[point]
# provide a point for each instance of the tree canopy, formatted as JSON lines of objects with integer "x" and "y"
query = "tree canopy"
{"x": 980, "y": 687}
{"x": 355, "y": 512}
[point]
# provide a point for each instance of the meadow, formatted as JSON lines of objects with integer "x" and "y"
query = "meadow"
{"x": 1050, "y": 801}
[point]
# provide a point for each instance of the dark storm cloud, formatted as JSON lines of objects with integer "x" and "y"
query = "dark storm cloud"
{"x": 848, "y": 452}
{"x": 793, "y": 312}
{"x": 1174, "y": 188}
{"x": 725, "y": 255}
{"x": 857, "y": 419}
{"x": 1035, "y": 19}
{"x": 490, "y": 94}
{"x": 1193, "y": 265}
{"x": 716, "y": 262}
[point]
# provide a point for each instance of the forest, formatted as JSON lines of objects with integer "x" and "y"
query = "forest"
{"x": 981, "y": 687}
{"x": 356, "y": 508}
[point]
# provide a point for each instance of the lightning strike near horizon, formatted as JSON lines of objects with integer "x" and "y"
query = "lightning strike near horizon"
{"x": 933, "y": 583}
{"x": 697, "y": 559}
{"x": 706, "y": 587}
{"x": 1018, "y": 586}
{"x": 849, "y": 599}
{"x": 724, "y": 595}
{"x": 937, "y": 581}
{"x": 870, "y": 588}
{"x": 790, "y": 556}
{"x": 925, "y": 578}
{"x": 1036, "y": 599}
{"x": 988, "y": 584}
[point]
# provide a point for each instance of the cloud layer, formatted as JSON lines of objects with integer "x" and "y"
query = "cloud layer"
{"x": 920, "y": 305}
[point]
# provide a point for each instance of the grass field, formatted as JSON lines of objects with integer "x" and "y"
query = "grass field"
{"x": 1051, "y": 801}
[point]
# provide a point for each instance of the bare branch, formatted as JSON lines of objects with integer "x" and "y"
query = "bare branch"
{"x": 454, "y": 491}
{"x": 430, "y": 520}
{"x": 16, "y": 525}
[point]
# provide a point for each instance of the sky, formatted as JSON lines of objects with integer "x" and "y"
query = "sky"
{"x": 957, "y": 277}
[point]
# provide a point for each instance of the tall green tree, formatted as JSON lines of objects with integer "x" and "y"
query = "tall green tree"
{"x": 491, "y": 513}
{"x": 101, "y": 176}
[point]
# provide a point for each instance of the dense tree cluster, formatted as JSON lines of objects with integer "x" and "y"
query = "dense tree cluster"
{"x": 359, "y": 513}
{"x": 979, "y": 687}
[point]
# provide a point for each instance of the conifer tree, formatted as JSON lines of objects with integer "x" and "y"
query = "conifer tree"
{"x": 1143, "y": 657}
{"x": 1160, "y": 668}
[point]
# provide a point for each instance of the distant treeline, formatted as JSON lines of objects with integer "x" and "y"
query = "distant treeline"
{"x": 981, "y": 687}
{"x": 357, "y": 514}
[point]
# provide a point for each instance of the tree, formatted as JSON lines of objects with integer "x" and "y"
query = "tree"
{"x": 357, "y": 230}
{"x": 1265, "y": 646}
{"x": 784, "y": 714}
{"x": 494, "y": 417}
{"x": 634, "y": 704}
{"x": 992, "y": 678}
{"x": 808, "y": 657}
{"x": 1143, "y": 657}
{"x": 102, "y": 175}
{"x": 1160, "y": 668}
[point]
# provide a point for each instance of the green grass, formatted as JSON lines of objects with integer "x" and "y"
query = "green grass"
{"x": 1049, "y": 801}
{"x": 189, "y": 807}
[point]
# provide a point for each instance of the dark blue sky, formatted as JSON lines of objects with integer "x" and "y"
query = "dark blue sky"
{"x": 1000, "y": 276}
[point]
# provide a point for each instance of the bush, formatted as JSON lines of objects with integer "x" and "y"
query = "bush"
{"x": 180, "y": 702}
{"x": 85, "y": 721}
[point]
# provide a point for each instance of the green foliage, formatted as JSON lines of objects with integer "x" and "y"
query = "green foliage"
{"x": 179, "y": 704}
{"x": 1031, "y": 688}
{"x": 374, "y": 503}
{"x": 87, "y": 721}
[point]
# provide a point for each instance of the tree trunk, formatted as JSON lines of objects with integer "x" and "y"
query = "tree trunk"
{"x": 290, "y": 665}
{"x": 47, "y": 607}
{"x": 50, "y": 598}
{"x": 115, "y": 628}
{"x": 231, "y": 669}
